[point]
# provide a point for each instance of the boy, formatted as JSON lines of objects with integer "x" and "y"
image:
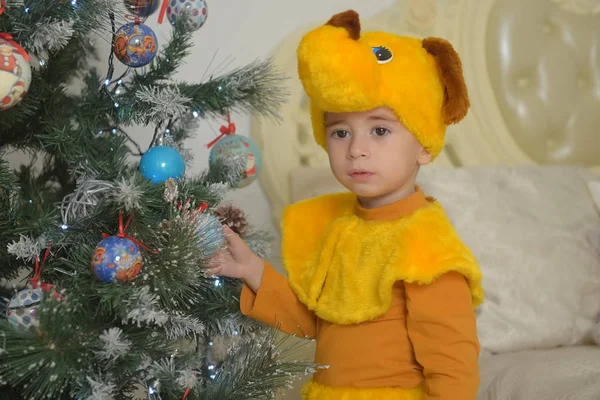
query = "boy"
{"x": 377, "y": 276}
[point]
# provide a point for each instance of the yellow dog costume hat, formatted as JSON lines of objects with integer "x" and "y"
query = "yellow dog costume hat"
{"x": 420, "y": 80}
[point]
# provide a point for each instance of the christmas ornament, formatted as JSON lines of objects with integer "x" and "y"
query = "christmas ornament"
{"x": 142, "y": 8}
{"x": 209, "y": 230}
{"x": 230, "y": 149}
{"x": 118, "y": 258}
{"x": 15, "y": 72}
{"x": 196, "y": 10}
{"x": 160, "y": 163}
{"x": 22, "y": 310}
{"x": 233, "y": 217}
{"x": 211, "y": 237}
{"x": 135, "y": 45}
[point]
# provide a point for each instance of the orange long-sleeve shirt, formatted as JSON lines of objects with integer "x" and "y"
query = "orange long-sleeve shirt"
{"x": 427, "y": 338}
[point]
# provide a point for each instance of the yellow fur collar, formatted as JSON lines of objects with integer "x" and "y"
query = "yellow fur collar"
{"x": 343, "y": 267}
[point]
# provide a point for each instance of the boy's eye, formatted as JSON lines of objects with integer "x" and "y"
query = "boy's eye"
{"x": 340, "y": 134}
{"x": 383, "y": 54}
{"x": 381, "y": 131}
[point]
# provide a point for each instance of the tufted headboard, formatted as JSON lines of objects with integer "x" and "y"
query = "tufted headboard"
{"x": 533, "y": 72}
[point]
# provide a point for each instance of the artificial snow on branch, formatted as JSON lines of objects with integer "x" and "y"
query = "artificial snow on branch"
{"x": 26, "y": 248}
{"x": 51, "y": 35}
{"x": 162, "y": 103}
{"x": 144, "y": 308}
{"x": 183, "y": 326}
{"x": 114, "y": 345}
{"x": 127, "y": 193}
{"x": 101, "y": 390}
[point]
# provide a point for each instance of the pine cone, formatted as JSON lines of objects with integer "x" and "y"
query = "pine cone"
{"x": 234, "y": 218}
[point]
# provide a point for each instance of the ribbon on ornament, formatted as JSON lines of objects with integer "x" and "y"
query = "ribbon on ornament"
{"x": 228, "y": 129}
{"x": 39, "y": 267}
{"x": 122, "y": 233}
{"x": 163, "y": 9}
{"x": 2, "y": 6}
{"x": 35, "y": 281}
{"x": 8, "y": 37}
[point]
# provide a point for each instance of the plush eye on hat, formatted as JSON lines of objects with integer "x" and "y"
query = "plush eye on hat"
{"x": 383, "y": 54}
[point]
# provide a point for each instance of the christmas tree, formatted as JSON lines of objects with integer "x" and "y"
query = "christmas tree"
{"x": 114, "y": 233}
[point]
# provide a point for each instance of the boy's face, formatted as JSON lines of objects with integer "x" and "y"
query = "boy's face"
{"x": 373, "y": 155}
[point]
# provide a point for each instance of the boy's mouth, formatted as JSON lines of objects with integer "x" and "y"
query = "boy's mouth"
{"x": 360, "y": 174}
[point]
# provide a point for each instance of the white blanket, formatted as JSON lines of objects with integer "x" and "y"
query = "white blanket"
{"x": 571, "y": 373}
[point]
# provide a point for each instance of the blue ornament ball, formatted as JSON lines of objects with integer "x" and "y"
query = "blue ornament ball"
{"x": 161, "y": 163}
{"x": 236, "y": 148}
{"x": 117, "y": 259}
{"x": 135, "y": 45}
{"x": 196, "y": 9}
{"x": 142, "y": 8}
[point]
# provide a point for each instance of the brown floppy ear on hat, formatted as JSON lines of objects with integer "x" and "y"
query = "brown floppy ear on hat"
{"x": 456, "y": 97}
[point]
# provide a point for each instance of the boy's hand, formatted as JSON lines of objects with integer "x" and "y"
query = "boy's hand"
{"x": 237, "y": 261}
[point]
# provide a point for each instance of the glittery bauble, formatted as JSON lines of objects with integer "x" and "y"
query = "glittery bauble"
{"x": 135, "y": 45}
{"x": 211, "y": 237}
{"x": 22, "y": 310}
{"x": 161, "y": 163}
{"x": 15, "y": 74}
{"x": 142, "y": 8}
{"x": 196, "y": 9}
{"x": 230, "y": 149}
{"x": 117, "y": 259}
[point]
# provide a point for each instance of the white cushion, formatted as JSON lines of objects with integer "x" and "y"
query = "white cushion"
{"x": 528, "y": 228}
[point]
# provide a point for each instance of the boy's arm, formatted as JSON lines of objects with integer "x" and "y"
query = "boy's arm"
{"x": 275, "y": 304}
{"x": 441, "y": 326}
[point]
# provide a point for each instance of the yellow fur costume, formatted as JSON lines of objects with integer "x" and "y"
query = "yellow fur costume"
{"x": 323, "y": 242}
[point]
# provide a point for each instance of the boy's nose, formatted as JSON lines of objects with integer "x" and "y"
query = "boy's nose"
{"x": 358, "y": 149}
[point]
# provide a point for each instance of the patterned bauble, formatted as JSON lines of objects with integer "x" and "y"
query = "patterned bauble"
{"x": 135, "y": 45}
{"x": 161, "y": 163}
{"x": 196, "y": 10}
{"x": 233, "y": 217}
{"x": 22, "y": 310}
{"x": 142, "y": 8}
{"x": 211, "y": 237}
{"x": 117, "y": 259}
{"x": 15, "y": 73}
{"x": 233, "y": 149}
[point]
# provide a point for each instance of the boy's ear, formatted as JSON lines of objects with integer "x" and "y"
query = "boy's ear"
{"x": 456, "y": 101}
{"x": 424, "y": 157}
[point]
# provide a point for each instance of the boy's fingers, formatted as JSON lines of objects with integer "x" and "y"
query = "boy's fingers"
{"x": 232, "y": 238}
{"x": 213, "y": 271}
